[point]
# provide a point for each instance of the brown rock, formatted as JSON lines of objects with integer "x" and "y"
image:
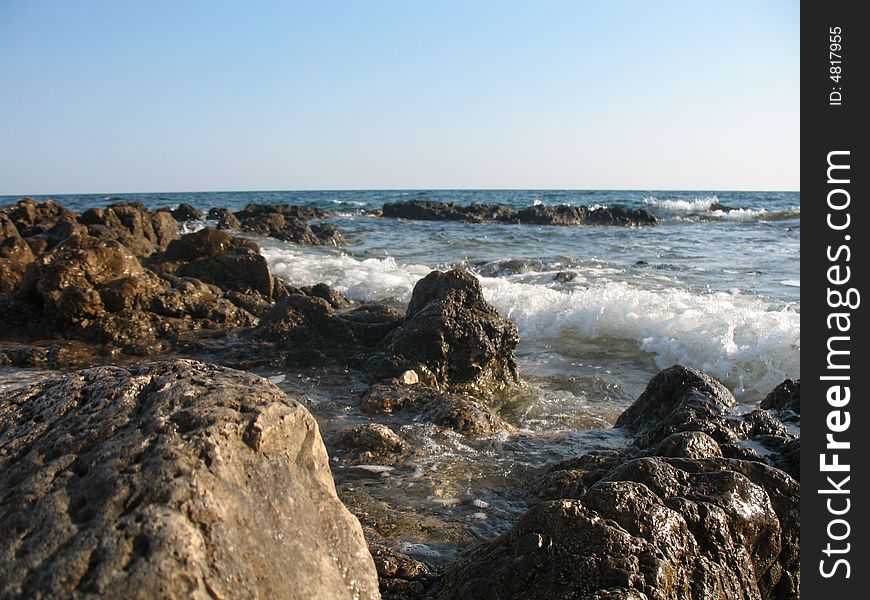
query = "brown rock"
{"x": 171, "y": 480}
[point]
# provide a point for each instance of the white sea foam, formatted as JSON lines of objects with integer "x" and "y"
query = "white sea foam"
{"x": 696, "y": 205}
{"x": 738, "y": 338}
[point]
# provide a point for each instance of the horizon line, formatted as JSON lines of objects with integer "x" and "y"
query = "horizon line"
{"x": 444, "y": 189}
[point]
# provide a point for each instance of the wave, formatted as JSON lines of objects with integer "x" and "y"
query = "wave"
{"x": 742, "y": 340}
{"x": 710, "y": 208}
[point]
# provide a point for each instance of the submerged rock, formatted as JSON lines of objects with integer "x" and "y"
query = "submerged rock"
{"x": 171, "y": 480}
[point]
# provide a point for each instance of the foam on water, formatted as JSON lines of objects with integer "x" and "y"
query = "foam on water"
{"x": 696, "y": 205}
{"x": 745, "y": 341}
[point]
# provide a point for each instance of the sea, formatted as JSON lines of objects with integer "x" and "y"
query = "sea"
{"x": 600, "y": 310}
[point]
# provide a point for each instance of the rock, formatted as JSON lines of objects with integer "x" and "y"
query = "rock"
{"x": 205, "y": 243}
{"x": 7, "y": 227}
{"x": 15, "y": 255}
{"x": 373, "y": 437}
{"x": 409, "y": 377}
{"x": 679, "y": 399}
{"x": 225, "y": 218}
{"x": 215, "y": 257}
{"x": 664, "y": 528}
{"x": 32, "y": 218}
{"x": 289, "y": 223}
{"x": 461, "y": 412}
{"x": 785, "y": 396}
{"x": 427, "y": 210}
{"x": 139, "y": 229}
{"x": 148, "y": 482}
{"x": 335, "y": 298}
{"x": 688, "y": 444}
{"x": 564, "y": 276}
{"x": 402, "y": 577}
{"x": 451, "y": 331}
{"x": 185, "y": 212}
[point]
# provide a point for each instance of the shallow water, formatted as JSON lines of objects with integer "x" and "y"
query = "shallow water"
{"x": 715, "y": 286}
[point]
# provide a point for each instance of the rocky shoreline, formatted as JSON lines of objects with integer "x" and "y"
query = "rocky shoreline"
{"x": 148, "y": 478}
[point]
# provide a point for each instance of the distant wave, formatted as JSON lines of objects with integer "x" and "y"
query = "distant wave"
{"x": 741, "y": 339}
{"x": 710, "y": 208}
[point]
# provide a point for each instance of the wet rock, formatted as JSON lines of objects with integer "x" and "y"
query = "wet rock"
{"x": 460, "y": 412}
{"x": 688, "y": 444}
{"x": 147, "y": 482}
{"x": 185, "y": 212}
{"x": 665, "y": 528}
{"x": 140, "y": 230}
{"x": 401, "y": 577}
{"x": 679, "y": 399}
{"x": 289, "y": 223}
{"x": 564, "y": 276}
{"x": 225, "y": 218}
{"x": 452, "y": 332}
{"x": 785, "y": 396}
{"x": 335, "y": 298}
{"x": 371, "y": 437}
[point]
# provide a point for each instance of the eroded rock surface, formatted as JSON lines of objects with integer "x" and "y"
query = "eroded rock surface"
{"x": 690, "y": 510}
{"x": 171, "y": 480}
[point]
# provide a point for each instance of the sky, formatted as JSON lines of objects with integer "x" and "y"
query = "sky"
{"x": 162, "y": 96}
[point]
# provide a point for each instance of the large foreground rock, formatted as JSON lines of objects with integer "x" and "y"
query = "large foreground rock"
{"x": 171, "y": 480}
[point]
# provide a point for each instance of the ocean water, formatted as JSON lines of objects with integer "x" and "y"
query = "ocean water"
{"x": 715, "y": 286}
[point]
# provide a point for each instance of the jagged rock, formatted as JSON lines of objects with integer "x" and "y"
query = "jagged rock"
{"x": 149, "y": 481}
{"x": 229, "y": 262}
{"x": 289, "y": 223}
{"x": 461, "y": 412}
{"x": 785, "y": 396}
{"x": 142, "y": 231}
{"x": 15, "y": 255}
{"x": 402, "y": 577}
{"x": 32, "y": 218}
{"x": 186, "y": 212}
{"x": 371, "y": 437}
{"x": 451, "y": 331}
{"x": 679, "y": 399}
{"x": 225, "y": 218}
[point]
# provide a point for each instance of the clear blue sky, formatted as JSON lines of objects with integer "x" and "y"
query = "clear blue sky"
{"x": 184, "y": 96}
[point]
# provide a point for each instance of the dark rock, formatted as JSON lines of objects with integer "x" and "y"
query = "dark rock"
{"x": 785, "y": 396}
{"x": 7, "y": 227}
{"x": 33, "y": 218}
{"x": 679, "y": 399}
{"x": 185, "y": 212}
{"x": 401, "y": 577}
{"x": 452, "y": 331}
{"x": 142, "y": 231}
{"x": 321, "y": 290}
{"x": 146, "y": 482}
{"x": 427, "y": 210}
{"x": 460, "y": 412}
{"x": 228, "y": 262}
{"x": 289, "y": 223}
{"x": 565, "y": 276}
{"x": 15, "y": 255}
{"x": 666, "y": 528}
{"x": 225, "y": 218}
{"x": 371, "y": 437}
